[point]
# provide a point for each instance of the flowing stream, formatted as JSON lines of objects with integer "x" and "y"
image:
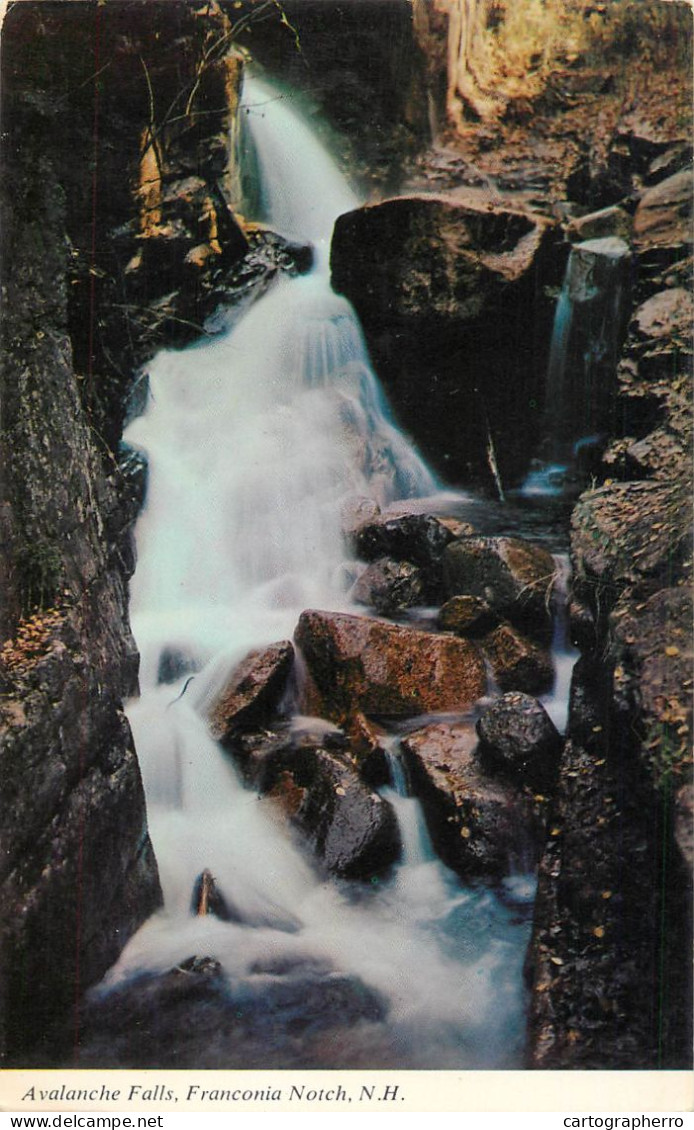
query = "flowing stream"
{"x": 589, "y": 323}
{"x": 255, "y": 443}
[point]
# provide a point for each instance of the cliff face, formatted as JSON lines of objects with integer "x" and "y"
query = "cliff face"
{"x": 78, "y": 874}
{"x": 86, "y": 97}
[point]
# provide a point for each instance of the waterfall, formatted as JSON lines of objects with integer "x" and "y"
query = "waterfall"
{"x": 255, "y": 441}
{"x": 589, "y": 324}
{"x": 564, "y": 654}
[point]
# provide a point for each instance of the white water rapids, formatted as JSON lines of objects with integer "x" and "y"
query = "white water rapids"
{"x": 255, "y": 442}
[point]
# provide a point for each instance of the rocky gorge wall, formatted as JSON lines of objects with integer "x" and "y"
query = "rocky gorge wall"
{"x": 79, "y": 205}
{"x": 608, "y": 976}
{"x": 124, "y": 237}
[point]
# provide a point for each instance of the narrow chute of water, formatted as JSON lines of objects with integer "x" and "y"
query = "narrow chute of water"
{"x": 255, "y": 441}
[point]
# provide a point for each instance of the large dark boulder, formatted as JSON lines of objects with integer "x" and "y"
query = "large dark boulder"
{"x": 467, "y": 616}
{"x": 193, "y": 1016}
{"x": 518, "y": 663}
{"x": 351, "y": 828}
{"x": 389, "y": 586}
{"x": 416, "y": 538}
{"x": 514, "y": 577}
{"x": 518, "y": 737}
{"x": 77, "y": 871}
{"x": 480, "y": 825}
{"x": 359, "y": 664}
{"x": 449, "y": 292}
{"x": 252, "y": 691}
{"x": 627, "y": 534}
{"x": 314, "y": 781}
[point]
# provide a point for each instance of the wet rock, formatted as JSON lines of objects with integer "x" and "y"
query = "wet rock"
{"x": 174, "y": 663}
{"x": 319, "y": 787}
{"x": 275, "y": 251}
{"x": 518, "y": 663}
{"x": 361, "y": 664}
{"x": 74, "y": 846}
{"x": 352, "y": 830}
{"x": 367, "y": 744}
{"x": 663, "y": 216}
{"x": 261, "y": 912}
{"x": 48, "y": 884}
{"x": 194, "y": 1017}
{"x": 514, "y": 577}
{"x": 131, "y": 481}
{"x": 467, "y": 616}
{"x": 479, "y": 825}
{"x": 418, "y": 538}
{"x": 254, "y": 752}
{"x": 445, "y": 287}
{"x": 388, "y": 585}
{"x": 208, "y": 899}
{"x": 253, "y": 690}
{"x": 519, "y": 738}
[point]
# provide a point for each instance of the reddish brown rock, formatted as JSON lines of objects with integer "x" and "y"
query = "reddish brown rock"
{"x": 479, "y": 825}
{"x": 367, "y": 745}
{"x": 518, "y": 663}
{"x": 360, "y": 664}
{"x": 467, "y": 616}
{"x": 253, "y": 690}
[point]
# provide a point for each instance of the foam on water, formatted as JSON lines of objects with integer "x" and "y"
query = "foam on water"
{"x": 255, "y": 441}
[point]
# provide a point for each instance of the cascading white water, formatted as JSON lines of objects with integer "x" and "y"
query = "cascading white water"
{"x": 254, "y": 442}
{"x": 564, "y": 654}
{"x": 584, "y": 349}
{"x": 257, "y": 440}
